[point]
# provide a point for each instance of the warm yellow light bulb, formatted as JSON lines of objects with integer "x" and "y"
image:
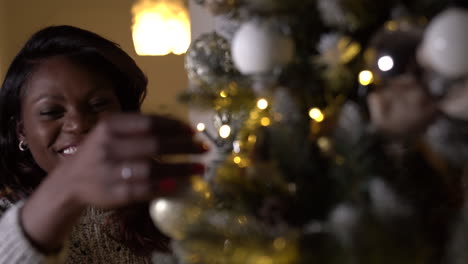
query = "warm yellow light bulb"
{"x": 366, "y": 78}
{"x": 262, "y": 104}
{"x": 252, "y": 139}
{"x": 316, "y": 115}
{"x": 201, "y": 127}
{"x": 265, "y": 121}
{"x": 224, "y": 131}
{"x": 223, "y": 94}
{"x": 237, "y": 160}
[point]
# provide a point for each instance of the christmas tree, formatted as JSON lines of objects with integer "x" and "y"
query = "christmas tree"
{"x": 342, "y": 135}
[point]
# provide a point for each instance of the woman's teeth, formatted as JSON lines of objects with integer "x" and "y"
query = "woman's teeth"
{"x": 70, "y": 150}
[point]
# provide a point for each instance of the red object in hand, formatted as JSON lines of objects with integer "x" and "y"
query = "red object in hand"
{"x": 167, "y": 185}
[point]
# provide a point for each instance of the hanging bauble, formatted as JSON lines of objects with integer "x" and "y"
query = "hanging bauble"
{"x": 208, "y": 59}
{"x": 392, "y": 50}
{"x": 259, "y": 47}
{"x": 444, "y": 45}
{"x": 174, "y": 217}
{"x": 218, "y": 7}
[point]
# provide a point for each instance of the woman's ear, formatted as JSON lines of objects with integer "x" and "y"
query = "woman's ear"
{"x": 20, "y": 131}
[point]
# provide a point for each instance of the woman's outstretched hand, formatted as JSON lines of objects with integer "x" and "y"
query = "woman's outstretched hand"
{"x": 120, "y": 162}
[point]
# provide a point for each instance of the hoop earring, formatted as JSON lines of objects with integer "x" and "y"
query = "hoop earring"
{"x": 22, "y": 146}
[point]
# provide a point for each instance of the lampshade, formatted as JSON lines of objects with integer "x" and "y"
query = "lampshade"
{"x": 160, "y": 27}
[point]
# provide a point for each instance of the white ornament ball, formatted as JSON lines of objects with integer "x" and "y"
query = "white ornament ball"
{"x": 445, "y": 42}
{"x": 259, "y": 48}
{"x": 173, "y": 217}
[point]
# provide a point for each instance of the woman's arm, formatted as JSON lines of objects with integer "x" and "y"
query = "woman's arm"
{"x": 50, "y": 213}
{"x": 15, "y": 246}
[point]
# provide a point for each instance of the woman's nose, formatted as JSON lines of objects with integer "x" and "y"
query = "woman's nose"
{"x": 79, "y": 122}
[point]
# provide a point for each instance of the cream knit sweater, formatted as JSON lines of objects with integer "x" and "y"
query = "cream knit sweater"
{"x": 87, "y": 244}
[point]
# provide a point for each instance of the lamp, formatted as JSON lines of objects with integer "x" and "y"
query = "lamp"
{"x": 160, "y": 27}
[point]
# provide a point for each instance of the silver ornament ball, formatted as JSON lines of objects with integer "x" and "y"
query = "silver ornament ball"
{"x": 208, "y": 59}
{"x": 444, "y": 45}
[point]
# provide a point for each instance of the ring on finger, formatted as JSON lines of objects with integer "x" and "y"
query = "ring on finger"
{"x": 126, "y": 173}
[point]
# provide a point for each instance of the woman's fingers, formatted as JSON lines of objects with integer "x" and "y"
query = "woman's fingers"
{"x": 164, "y": 170}
{"x": 133, "y": 136}
{"x": 140, "y": 181}
{"x": 126, "y": 193}
{"x": 133, "y": 172}
{"x": 136, "y": 124}
{"x": 153, "y": 171}
{"x": 116, "y": 165}
{"x": 146, "y": 147}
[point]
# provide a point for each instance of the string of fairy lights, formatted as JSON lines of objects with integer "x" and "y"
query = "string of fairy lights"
{"x": 366, "y": 77}
{"x": 225, "y": 130}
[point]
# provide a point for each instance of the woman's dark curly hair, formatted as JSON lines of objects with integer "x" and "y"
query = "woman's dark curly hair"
{"x": 19, "y": 173}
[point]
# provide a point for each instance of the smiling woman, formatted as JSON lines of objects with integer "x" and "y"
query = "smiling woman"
{"x": 76, "y": 157}
{"x": 57, "y": 89}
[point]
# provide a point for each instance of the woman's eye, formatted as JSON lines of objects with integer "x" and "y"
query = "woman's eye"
{"x": 99, "y": 104}
{"x": 52, "y": 113}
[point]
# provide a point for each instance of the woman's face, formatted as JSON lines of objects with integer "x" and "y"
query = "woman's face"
{"x": 61, "y": 104}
